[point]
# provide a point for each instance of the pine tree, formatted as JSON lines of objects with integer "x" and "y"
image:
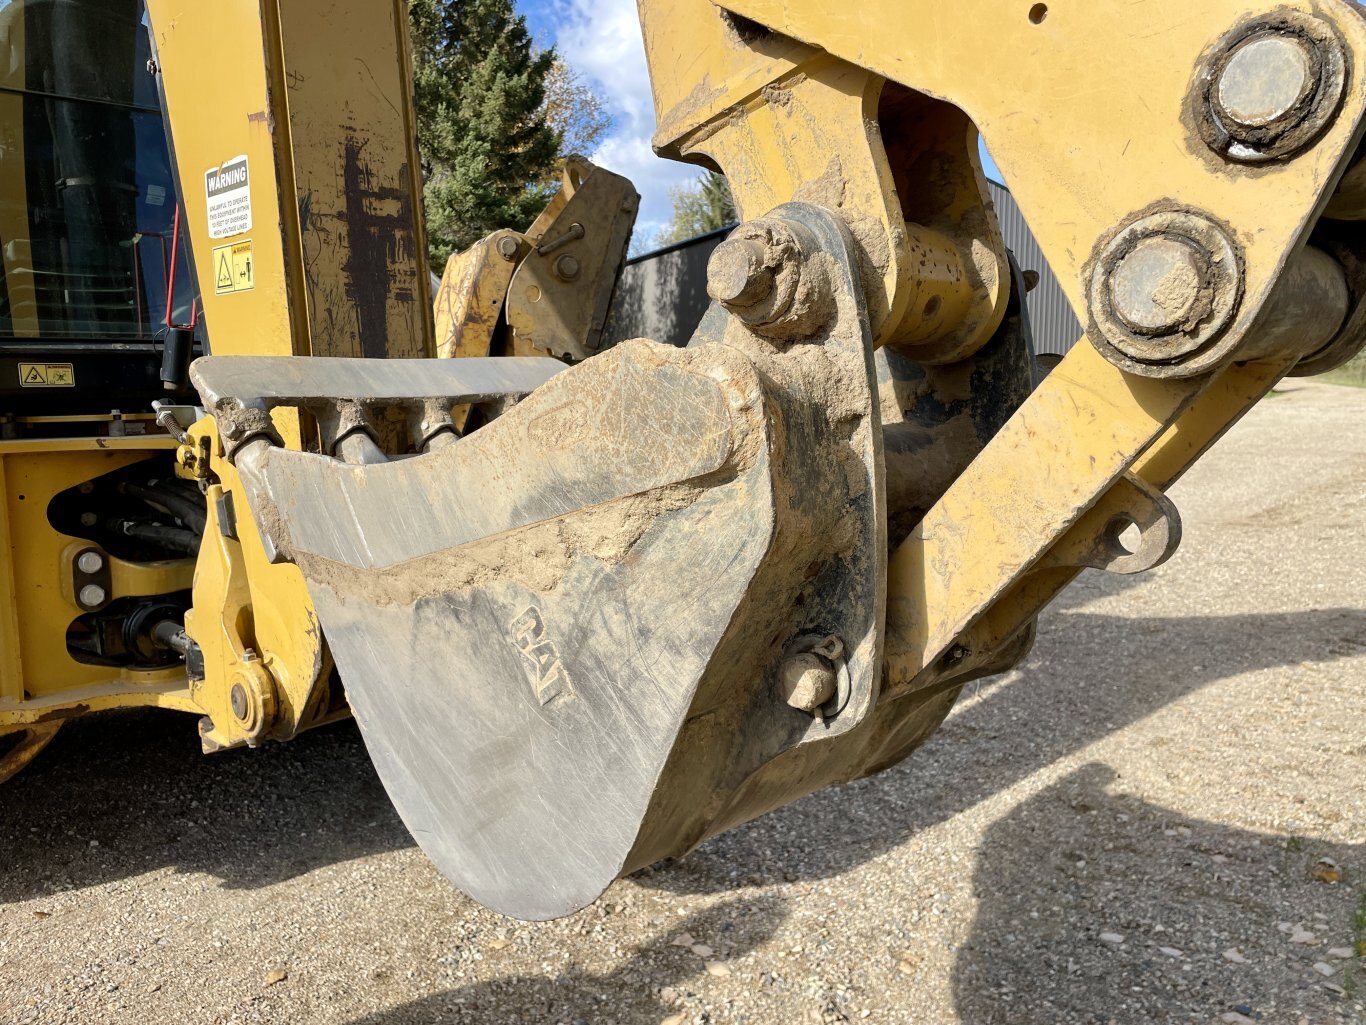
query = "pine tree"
{"x": 488, "y": 151}
{"x": 704, "y": 206}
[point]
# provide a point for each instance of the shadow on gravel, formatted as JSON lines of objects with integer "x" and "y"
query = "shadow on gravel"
{"x": 136, "y": 786}
{"x": 626, "y": 996}
{"x": 120, "y": 794}
{"x": 1089, "y": 675}
{"x": 1076, "y": 862}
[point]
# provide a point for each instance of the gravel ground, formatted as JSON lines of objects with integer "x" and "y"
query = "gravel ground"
{"x": 1129, "y": 829}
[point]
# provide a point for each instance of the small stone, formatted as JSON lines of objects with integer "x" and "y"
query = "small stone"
{"x": 674, "y": 1019}
{"x": 1326, "y": 871}
{"x": 702, "y": 950}
{"x": 1111, "y": 937}
{"x": 669, "y": 995}
{"x": 1235, "y": 955}
{"x": 717, "y": 968}
{"x": 154, "y": 988}
{"x": 1171, "y": 952}
{"x": 1341, "y": 953}
{"x": 1333, "y": 987}
{"x": 42, "y": 914}
{"x": 1219, "y": 859}
{"x": 498, "y": 944}
{"x": 1324, "y": 969}
{"x": 1303, "y": 936}
{"x": 276, "y": 976}
{"x": 1234, "y": 1018}
{"x": 865, "y": 1013}
{"x": 683, "y": 939}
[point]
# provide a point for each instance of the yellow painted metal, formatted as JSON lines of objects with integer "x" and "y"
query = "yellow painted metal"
{"x": 1071, "y": 439}
{"x": 1233, "y": 392}
{"x": 253, "y": 620}
{"x": 787, "y": 123}
{"x": 470, "y": 298}
{"x": 38, "y": 676}
{"x": 1083, "y": 147}
{"x": 557, "y": 301}
{"x": 19, "y": 746}
{"x": 321, "y": 106}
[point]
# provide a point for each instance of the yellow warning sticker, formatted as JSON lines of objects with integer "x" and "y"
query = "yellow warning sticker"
{"x": 233, "y": 268}
{"x": 46, "y": 375}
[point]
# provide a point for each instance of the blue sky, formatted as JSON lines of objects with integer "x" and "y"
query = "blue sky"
{"x": 600, "y": 39}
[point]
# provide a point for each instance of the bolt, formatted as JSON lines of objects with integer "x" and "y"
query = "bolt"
{"x": 1155, "y": 288}
{"x": 89, "y": 519}
{"x": 91, "y": 595}
{"x": 567, "y": 267}
{"x": 507, "y": 247}
{"x": 229, "y": 428}
{"x": 736, "y": 275}
{"x": 90, "y": 562}
{"x": 807, "y": 681}
{"x": 238, "y": 698}
{"x": 1265, "y": 79}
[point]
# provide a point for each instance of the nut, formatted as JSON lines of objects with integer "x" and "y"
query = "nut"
{"x": 807, "y": 681}
{"x": 765, "y": 276}
{"x": 241, "y": 706}
{"x": 90, "y": 561}
{"x": 736, "y": 275}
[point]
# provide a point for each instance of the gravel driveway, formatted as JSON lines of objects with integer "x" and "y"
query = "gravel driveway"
{"x": 1159, "y": 818}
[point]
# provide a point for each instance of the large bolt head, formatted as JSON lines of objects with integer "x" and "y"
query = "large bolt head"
{"x": 90, "y": 562}
{"x": 567, "y": 267}
{"x": 241, "y": 706}
{"x": 1265, "y": 79}
{"x": 1163, "y": 291}
{"x": 91, "y": 595}
{"x": 736, "y": 275}
{"x": 1155, "y": 288}
{"x": 807, "y": 681}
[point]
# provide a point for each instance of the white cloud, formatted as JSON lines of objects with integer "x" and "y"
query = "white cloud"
{"x": 601, "y": 40}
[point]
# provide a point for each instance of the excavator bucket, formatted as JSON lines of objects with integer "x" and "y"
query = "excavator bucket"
{"x": 566, "y": 636}
{"x": 647, "y": 597}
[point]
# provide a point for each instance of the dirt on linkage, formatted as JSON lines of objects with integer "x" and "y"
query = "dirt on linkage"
{"x": 1159, "y": 818}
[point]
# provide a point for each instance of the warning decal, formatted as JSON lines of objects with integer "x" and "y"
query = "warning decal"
{"x": 46, "y": 375}
{"x": 229, "y": 196}
{"x": 233, "y": 268}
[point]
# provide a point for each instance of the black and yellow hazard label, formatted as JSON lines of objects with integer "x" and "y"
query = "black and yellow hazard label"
{"x": 46, "y": 375}
{"x": 233, "y": 268}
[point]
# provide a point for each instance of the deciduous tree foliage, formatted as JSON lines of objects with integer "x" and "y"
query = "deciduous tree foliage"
{"x": 488, "y": 147}
{"x": 702, "y": 207}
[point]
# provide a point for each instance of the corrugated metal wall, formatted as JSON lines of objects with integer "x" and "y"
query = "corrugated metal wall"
{"x": 662, "y": 295}
{"x": 1055, "y": 326}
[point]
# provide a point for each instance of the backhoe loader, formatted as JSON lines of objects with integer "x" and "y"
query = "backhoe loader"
{"x": 591, "y": 605}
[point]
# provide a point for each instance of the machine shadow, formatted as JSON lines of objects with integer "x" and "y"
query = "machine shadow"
{"x": 1053, "y": 706}
{"x": 119, "y": 794}
{"x": 1077, "y": 862}
{"x": 626, "y": 995}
